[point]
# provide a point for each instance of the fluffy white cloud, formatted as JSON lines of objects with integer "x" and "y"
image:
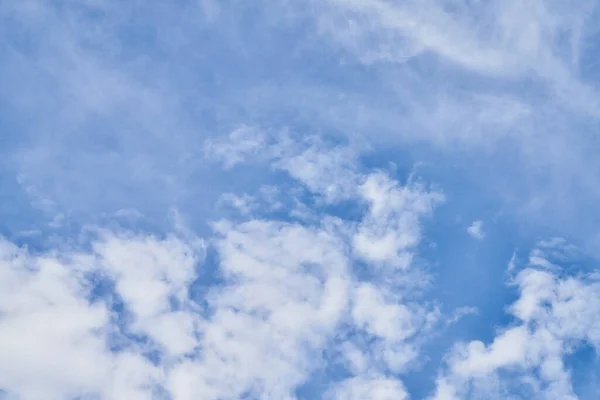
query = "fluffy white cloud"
{"x": 294, "y": 284}
{"x": 56, "y": 339}
{"x": 476, "y": 230}
{"x": 555, "y": 315}
{"x": 287, "y": 287}
{"x": 119, "y": 316}
{"x": 149, "y": 274}
{"x": 51, "y": 338}
{"x": 391, "y": 229}
{"x": 375, "y": 388}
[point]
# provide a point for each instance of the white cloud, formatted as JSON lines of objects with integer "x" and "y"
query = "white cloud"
{"x": 242, "y": 144}
{"x": 499, "y": 38}
{"x": 287, "y": 288}
{"x": 511, "y": 82}
{"x": 375, "y": 388}
{"x": 127, "y": 126}
{"x": 53, "y": 340}
{"x": 554, "y": 315}
{"x": 288, "y": 292}
{"x": 391, "y": 230}
{"x": 476, "y": 230}
{"x": 461, "y": 313}
{"x": 332, "y": 175}
{"x": 149, "y": 274}
{"x": 279, "y": 269}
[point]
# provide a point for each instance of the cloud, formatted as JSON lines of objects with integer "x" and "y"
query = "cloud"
{"x": 107, "y": 104}
{"x": 168, "y": 270}
{"x": 287, "y": 289}
{"x": 307, "y": 267}
{"x": 553, "y": 318}
{"x": 240, "y": 145}
{"x": 498, "y": 38}
{"x": 130, "y": 100}
{"x": 385, "y": 239}
{"x": 462, "y": 312}
{"x": 476, "y": 230}
{"x": 288, "y": 301}
{"x": 376, "y": 388}
{"x": 45, "y": 318}
{"x": 49, "y": 315}
{"x": 499, "y": 87}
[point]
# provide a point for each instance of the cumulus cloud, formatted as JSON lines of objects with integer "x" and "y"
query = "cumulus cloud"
{"x": 476, "y": 230}
{"x": 554, "y": 316}
{"x": 121, "y": 318}
{"x": 57, "y": 336}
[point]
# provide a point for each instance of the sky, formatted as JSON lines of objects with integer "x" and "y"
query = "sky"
{"x": 297, "y": 200}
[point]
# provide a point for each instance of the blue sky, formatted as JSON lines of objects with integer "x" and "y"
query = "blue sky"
{"x": 335, "y": 199}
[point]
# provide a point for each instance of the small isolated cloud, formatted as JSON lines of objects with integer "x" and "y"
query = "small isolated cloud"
{"x": 512, "y": 263}
{"x": 476, "y": 230}
{"x": 242, "y": 144}
{"x": 461, "y": 313}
